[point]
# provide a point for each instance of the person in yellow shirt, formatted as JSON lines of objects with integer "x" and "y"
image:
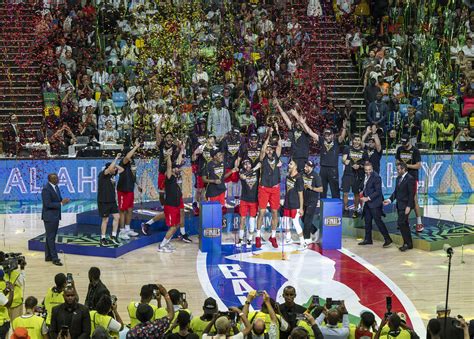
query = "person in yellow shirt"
{"x": 17, "y": 278}
{"x": 395, "y": 328}
{"x": 35, "y": 324}
{"x": 198, "y": 324}
{"x": 101, "y": 317}
{"x": 54, "y": 296}
{"x": 446, "y": 133}
{"x": 147, "y": 294}
{"x": 6, "y": 298}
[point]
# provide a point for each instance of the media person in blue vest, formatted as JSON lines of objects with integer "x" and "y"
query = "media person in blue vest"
{"x": 51, "y": 214}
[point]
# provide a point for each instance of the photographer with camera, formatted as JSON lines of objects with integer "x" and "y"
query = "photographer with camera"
{"x": 179, "y": 304}
{"x": 182, "y": 322}
{"x": 96, "y": 288}
{"x": 224, "y": 322}
{"x": 396, "y": 328}
{"x": 198, "y": 324}
{"x": 367, "y": 326}
{"x": 332, "y": 316}
{"x": 265, "y": 321}
{"x": 35, "y": 324}
{"x": 100, "y": 316}
{"x": 10, "y": 263}
{"x": 70, "y": 320}
{"x": 147, "y": 294}
{"x": 156, "y": 328}
{"x": 453, "y": 325}
{"x": 7, "y": 293}
{"x": 307, "y": 328}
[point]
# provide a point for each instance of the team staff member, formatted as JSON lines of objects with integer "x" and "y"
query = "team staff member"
{"x": 248, "y": 201}
{"x": 107, "y": 203}
{"x": 35, "y": 324}
{"x": 404, "y": 195}
{"x": 173, "y": 204}
{"x": 312, "y": 189}
{"x": 353, "y": 176}
{"x": 51, "y": 214}
{"x": 269, "y": 188}
{"x": 372, "y": 198}
{"x": 289, "y": 310}
{"x": 215, "y": 178}
{"x": 165, "y": 145}
{"x": 251, "y": 150}
{"x": 54, "y": 296}
{"x": 298, "y": 136}
{"x": 7, "y": 292}
{"x": 411, "y": 156}
{"x": 201, "y": 156}
{"x": 373, "y": 148}
{"x": 293, "y": 205}
{"x": 230, "y": 146}
{"x": 329, "y": 156}
{"x": 198, "y": 138}
{"x": 125, "y": 189}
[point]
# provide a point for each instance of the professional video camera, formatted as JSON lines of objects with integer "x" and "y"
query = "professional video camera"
{"x": 11, "y": 261}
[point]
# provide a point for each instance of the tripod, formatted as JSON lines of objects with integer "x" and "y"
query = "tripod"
{"x": 449, "y": 251}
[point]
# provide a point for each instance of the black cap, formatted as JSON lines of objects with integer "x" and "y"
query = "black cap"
{"x": 404, "y": 139}
{"x": 310, "y": 163}
{"x": 210, "y": 306}
{"x": 246, "y": 161}
{"x": 215, "y": 151}
{"x": 328, "y": 131}
{"x": 253, "y": 135}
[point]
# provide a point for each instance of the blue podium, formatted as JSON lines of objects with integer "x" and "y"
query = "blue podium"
{"x": 331, "y": 224}
{"x": 210, "y": 227}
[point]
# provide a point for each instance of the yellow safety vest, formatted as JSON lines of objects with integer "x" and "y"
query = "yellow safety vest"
{"x": 266, "y": 317}
{"x": 198, "y": 326}
{"x": 176, "y": 329}
{"x": 445, "y": 129}
{"x": 132, "y": 313}
{"x": 4, "y": 317}
{"x": 32, "y": 322}
{"x": 404, "y": 334}
{"x": 103, "y": 320}
{"x": 51, "y": 300}
{"x": 429, "y": 131}
{"x": 18, "y": 297}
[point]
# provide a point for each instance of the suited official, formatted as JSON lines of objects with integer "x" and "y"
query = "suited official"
{"x": 51, "y": 214}
{"x": 372, "y": 198}
{"x": 404, "y": 194}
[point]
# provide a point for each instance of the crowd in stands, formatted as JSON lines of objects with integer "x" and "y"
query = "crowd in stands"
{"x": 161, "y": 313}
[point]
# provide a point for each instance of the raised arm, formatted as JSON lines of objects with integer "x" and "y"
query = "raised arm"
{"x": 112, "y": 166}
{"x": 279, "y": 146}
{"x": 343, "y": 134}
{"x": 271, "y": 311}
{"x": 265, "y": 143}
{"x": 308, "y": 130}
{"x": 283, "y": 114}
{"x": 131, "y": 153}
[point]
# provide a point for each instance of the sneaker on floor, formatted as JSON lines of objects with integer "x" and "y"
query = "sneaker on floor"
{"x": 145, "y": 228}
{"x": 170, "y": 246}
{"x": 164, "y": 249}
{"x": 420, "y": 227}
{"x": 249, "y": 243}
{"x": 302, "y": 247}
{"x": 123, "y": 235}
{"x": 258, "y": 242}
{"x": 104, "y": 242}
{"x": 185, "y": 237}
{"x": 387, "y": 243}
{"x": 114, "y": 241}
{"x": 131, "y": 233}
{"x": 288, "y": 241}
{"x": 355, "y": 214}
{"x": 273, "y": 241}
{"x": 315, "y": 237}
{"x": 239, "y": 243}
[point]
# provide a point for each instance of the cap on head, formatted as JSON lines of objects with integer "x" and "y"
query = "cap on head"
{"x": 210, "y": 306}
{"x": 442, "y": 308}
{"x": 310, "y": 163}
{"x": 253, "y": 136}
{"x": 328, "y": 131}
{"x": 405, "y": 139}
{"x": 215, "y": 151}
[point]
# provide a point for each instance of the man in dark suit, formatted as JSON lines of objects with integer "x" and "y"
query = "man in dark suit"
{"x": 372, "y": 198}
{"x": 405, "y": 195}
{"x": 51, "y": 214}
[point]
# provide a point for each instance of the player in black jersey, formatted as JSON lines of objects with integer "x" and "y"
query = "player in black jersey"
{"x": 165, "y": 144}
{"x": 353, "y": 177}
{"x": 230, "y": 146}
{"x": 251, "y": 150}
{"x": 201, "y": 156}
{"x": 373, "y": 148}
{"x": 249, "y": 201}
{"x": 312, "y": 190}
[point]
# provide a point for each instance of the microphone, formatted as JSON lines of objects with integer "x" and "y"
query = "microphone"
{"x": 448, "y": 249}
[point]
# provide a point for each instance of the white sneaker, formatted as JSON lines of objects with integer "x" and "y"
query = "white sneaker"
{"x": 308, "y": 241}
{"x": 131, "y": 233}
{"x": 302, "y": 247}
{"x": 164, "y": 249}
{"x": 239, "y": 243}
{"x": 123, "y": 235}
{"x": 288, "y": 241}
{"x": 315, "y": 237}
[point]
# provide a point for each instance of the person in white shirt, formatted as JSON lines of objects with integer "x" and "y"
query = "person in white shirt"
{"x": 106, "y": 116}
{"x": 100, "y": 77}
{"x": 265, "y": 25}
{"x": 331, "y": 329}
{"x": 218, "y": 122}
{"x": 62, "y": 49}
{"x": 468, "y": 49}
{"x": 86, "y": 102}
{"x": 109, "y": 134}
{"x": 199, "y": 75}
{"x": 223, "y": 326}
